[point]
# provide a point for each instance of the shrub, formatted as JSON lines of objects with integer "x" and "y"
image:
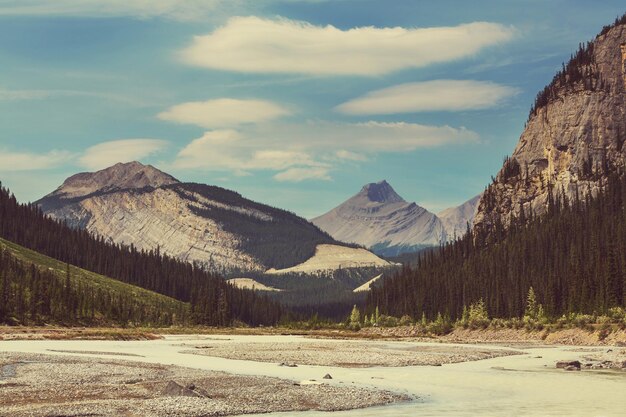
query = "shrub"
{"x": 441, "y": 325}
{"x": 617, "y": 315}
{"x": 406, "y": 320}
{"x": 478, "y": 317}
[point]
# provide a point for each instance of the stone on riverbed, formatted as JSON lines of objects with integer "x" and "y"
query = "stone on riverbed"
{"x": 567, "y": 364}
{"x": 174, "y": 389}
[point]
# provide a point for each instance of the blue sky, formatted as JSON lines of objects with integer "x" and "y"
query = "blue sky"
{"x": 292, "y": 103}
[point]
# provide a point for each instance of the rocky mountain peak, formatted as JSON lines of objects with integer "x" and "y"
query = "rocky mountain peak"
{"x": 381, "y": 192}
{"x": 378, "y": 218}
{"x": 121, "y": 176}
{"x": 574, "y": 135}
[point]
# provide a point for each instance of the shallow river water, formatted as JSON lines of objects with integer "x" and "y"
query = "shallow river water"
{"x": 523, "y": 385}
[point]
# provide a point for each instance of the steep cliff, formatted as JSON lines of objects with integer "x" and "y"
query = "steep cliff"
{"x": 574, "y": 135}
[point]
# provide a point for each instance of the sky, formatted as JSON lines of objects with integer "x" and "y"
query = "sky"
{"x": 296, "y": 104}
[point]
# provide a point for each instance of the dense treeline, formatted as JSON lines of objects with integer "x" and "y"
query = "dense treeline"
{"x": 26, "y": 225}
{"x": 29, "y": 295}
{"x": 329, "y": 294}
{"x": 574, "y": 257}
{"x": 580, "y": 72}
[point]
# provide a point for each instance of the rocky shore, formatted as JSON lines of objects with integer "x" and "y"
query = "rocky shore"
{"x": 348, "y": 354}
{"x": 597, "y": 359}
{"x": 50, "y": 385}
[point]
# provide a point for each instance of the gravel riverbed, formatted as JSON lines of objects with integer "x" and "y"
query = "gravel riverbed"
{"x": 52, "y": 385}
{"x": 348, "y": 353}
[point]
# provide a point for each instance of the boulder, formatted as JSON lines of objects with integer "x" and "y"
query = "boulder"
{"x": 565, "y": 364}
{"x": 327, "y": 376}
{"x": 174, "y": 389}
{"x": 288, "y": 365}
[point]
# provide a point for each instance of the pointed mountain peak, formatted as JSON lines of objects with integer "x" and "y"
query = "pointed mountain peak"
{"x": 128, "y": 175}
{"x": 381, "y": 192}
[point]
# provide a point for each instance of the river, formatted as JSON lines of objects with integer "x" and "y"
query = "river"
{"x": 522, "y": 385}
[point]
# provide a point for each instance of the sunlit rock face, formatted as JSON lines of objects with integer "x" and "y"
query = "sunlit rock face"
{"x": 138, "y": 205}
{"x": 570, "y": 141}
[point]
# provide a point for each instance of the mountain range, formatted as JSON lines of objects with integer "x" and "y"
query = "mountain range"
{"x": 138, "y": 205}
{"x": 379, "y": 219}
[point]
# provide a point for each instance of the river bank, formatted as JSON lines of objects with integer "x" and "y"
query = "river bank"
{"x": 505, "y": 336}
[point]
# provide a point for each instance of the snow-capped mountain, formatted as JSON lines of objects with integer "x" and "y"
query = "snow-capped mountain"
{"x": 136, "y": 204}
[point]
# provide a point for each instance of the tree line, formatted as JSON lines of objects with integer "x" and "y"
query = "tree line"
{"x": 29, "y": 295}
{"x": 213, "y": 301}
{"x": 574, "y": 257}
{"x": 580, "y": 72}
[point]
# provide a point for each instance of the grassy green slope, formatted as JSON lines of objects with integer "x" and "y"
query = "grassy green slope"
{"x": 93, "y": 280}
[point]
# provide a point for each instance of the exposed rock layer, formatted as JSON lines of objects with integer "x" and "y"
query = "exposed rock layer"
{"x": 138, "y": 205}
{"x": 570, "y": 141}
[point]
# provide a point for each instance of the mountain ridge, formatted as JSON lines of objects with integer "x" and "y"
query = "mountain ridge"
{"x": 378, "y": 218}
{"x": 121, "y": 176}
{"x": 214, "y": 227}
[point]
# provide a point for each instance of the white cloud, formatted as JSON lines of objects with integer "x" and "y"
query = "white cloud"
{"x": 27, "y": 161}
{"x": 223, "y": 112}
{"x": 301, "y": 174}
{"x": 229, "y": 150}
{"x": 106, "y": 154}
{"x": 350, "y": 156}
{"x": 142, "y": 9}
{"x": 437, "y": 95}
{"x": 254, "y": 44}
{"x": 309, "y": 150}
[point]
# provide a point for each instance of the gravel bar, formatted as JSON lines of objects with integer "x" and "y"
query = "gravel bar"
{"x": 349, "y": 353}
{"x": 51, "y": 385}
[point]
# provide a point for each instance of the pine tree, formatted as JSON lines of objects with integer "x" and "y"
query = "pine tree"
{"x": 355, "y": 318}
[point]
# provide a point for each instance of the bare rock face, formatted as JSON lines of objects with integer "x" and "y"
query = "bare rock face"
{"x": 574, "y": 135}
{"x": 160, "y": 218}
{"x": 218, "y": 229}
{"x": 121, "y": 176}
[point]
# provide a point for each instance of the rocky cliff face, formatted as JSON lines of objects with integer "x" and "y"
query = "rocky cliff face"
{"x": 378, "y": 218}
{"x": 574, "y": 135}
{"x": 216, "y": 228}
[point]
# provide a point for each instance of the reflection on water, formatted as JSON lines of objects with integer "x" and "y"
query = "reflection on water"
{"x": 523, "y": 385}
